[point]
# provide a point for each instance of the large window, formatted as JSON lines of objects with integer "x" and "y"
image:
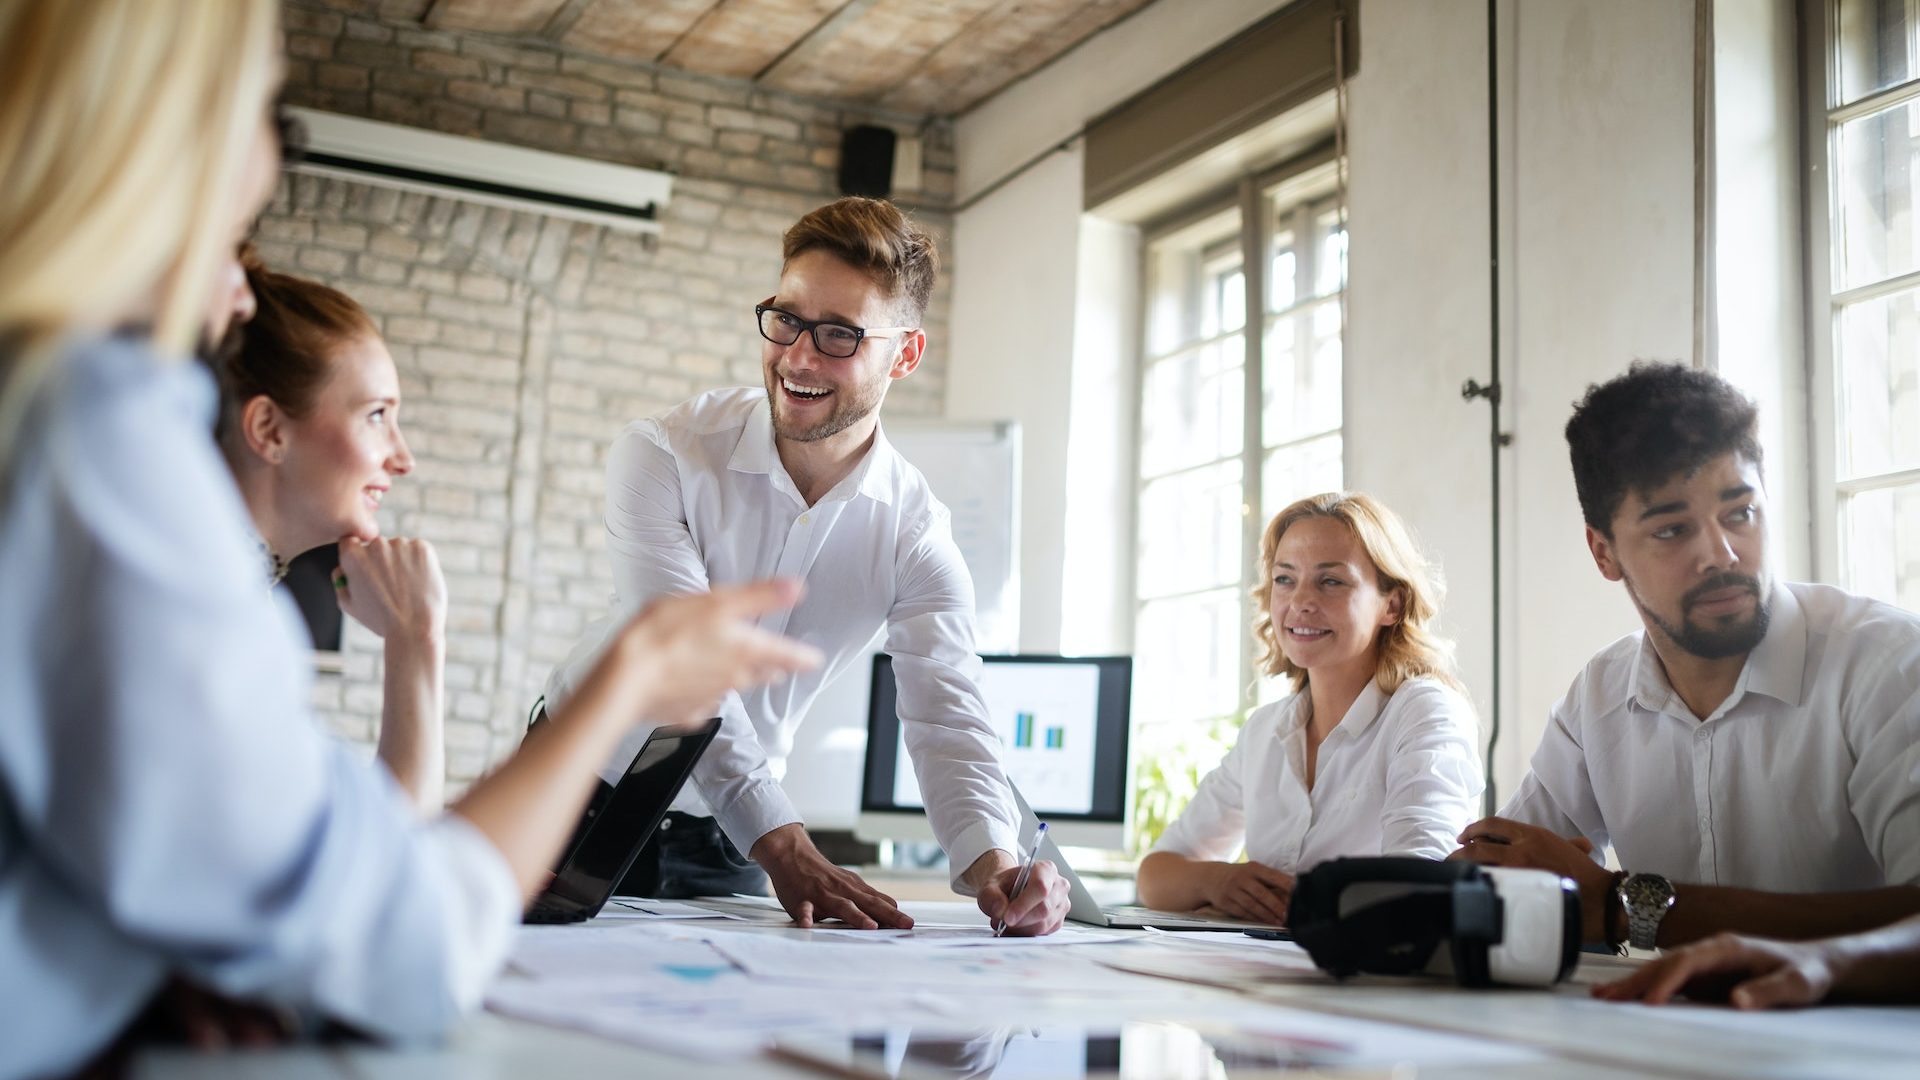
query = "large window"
{"x": 1867, "y": 315}
{"x": 1238, "y": 417}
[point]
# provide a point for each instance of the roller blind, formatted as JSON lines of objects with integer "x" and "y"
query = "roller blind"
{"x": 1282, "y": 62}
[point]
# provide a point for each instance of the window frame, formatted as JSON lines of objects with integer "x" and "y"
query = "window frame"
{"x": 1825, "y": 114}
{"x": 1306, "y": 181}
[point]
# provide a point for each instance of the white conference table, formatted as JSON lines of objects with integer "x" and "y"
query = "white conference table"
{"x": 1580, "y": 1038}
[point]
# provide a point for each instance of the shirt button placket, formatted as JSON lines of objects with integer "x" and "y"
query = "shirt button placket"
{"x": 793, "y": 564}
{"x": 1703, "y": 797}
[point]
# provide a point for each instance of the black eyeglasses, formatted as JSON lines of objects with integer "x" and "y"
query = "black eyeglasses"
{"x": 837, "y": 340}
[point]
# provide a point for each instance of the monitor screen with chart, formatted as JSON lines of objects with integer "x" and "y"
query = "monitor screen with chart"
{"x": 1061, "y": 723}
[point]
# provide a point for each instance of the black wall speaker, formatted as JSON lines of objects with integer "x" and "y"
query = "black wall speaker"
{"x": 866, "y": 161}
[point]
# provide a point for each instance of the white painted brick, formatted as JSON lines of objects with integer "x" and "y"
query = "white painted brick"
{"x": 467, "y": 363}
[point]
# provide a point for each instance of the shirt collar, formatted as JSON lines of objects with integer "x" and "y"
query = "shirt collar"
{"x": 1364, "y": 711}
{"x": 756, "y": 453}
{"x": 1776, "y": 667}
{"x": 876, "y": 469}
{"x": 1360, "y": 715}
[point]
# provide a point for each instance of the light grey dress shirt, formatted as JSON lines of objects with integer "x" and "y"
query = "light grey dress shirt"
{"x": 166, "y": 803}
{"x": 1806, "y": 779}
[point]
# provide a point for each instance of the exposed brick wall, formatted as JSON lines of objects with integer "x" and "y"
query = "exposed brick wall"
{"x": 525, "y": 342}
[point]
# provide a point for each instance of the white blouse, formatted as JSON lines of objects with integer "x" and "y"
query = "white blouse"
{"x": 1399, "y": 775}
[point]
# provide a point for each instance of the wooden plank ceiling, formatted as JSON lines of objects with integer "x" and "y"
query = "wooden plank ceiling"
{"x": 928, "y": 57}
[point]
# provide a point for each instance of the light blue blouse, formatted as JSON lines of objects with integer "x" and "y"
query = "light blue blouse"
{"x": 166, "y": 802}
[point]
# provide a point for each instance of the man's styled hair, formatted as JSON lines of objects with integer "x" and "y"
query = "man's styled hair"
{"x": 1637, "y": 431}
{"x": 873, "y": 236}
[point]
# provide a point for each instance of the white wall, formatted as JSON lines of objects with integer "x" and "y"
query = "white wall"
{"x": 1597, "y": 249}
{"x": 1417, "y": 296}
{"x": 1604, "y": 275}
{"x": 1760, "y": 292}
{"x": 1096, "y": 584}
{"x": 1015, "y": 257}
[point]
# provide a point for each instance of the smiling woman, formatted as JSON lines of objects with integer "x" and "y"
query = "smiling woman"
{"x": 310, "y": 416}
{"x": 310, "y": 425}
{"x": 1374, "y": 752}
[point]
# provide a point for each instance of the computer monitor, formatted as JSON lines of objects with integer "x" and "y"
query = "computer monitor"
{"x": 1062, "y": 724}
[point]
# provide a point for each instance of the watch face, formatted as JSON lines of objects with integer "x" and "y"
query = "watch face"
{"x": 1648, "y": 890}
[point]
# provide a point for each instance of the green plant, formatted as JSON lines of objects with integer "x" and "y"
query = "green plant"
{"x": 1169, "y": 763}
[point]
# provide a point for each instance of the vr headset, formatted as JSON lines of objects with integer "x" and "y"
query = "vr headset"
{"x": 1398, "y": 915}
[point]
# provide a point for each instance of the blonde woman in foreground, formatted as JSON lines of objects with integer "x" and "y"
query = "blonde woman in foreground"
{"x": 168, "y": 811}
{"x": 1374, "y": 751}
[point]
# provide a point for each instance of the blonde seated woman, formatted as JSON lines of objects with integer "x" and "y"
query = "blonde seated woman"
{"x": 169, "y": 812}
{"x": 1374, "y": 752}
{"x": 309, "y": 423}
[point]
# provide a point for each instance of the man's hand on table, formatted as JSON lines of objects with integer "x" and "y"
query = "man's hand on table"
{"x": 814, "y": 890}
{"x": 1039, "y": 909}
{"x": 1497, "y": 841}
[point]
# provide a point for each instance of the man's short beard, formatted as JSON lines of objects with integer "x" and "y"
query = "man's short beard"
{"x": 836, "y": 422}
{"x": 1729, "y": 638}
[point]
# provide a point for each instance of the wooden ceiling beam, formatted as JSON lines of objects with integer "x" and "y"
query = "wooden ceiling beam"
{"x": 814, "y": 41}
{"x": 705, "y": 17}
{"x": 564, "y": 18}
{"x": 965, "y": 29}
{"x": 489, "y": 16}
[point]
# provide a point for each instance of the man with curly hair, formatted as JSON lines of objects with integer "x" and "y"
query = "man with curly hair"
{"x": 1752, "y": 755}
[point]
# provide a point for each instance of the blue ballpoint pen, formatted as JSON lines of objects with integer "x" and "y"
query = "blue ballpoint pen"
{"x": 1026, "y": 871}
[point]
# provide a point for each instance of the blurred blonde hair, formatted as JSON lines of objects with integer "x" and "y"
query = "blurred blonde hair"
{"x": 124, "y": 128}
{"x": 1408, "y": 648}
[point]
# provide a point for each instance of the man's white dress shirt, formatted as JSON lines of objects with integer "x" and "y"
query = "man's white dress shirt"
{"x": 1806, "y": 779}
{"x": 1399, "y": 775}
{"x": 167, "y": 804}
{"x": 698, "y": 497}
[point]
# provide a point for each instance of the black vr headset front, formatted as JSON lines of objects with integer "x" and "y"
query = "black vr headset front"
{"x": 1398, "y": 915}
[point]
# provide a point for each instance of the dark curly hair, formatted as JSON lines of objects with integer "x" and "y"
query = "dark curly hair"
{"x": 1640, "y": 430}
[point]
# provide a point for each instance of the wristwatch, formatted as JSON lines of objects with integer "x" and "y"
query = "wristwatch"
{"x": 1646, "y": 898}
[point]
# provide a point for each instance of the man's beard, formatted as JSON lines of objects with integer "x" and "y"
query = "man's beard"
{"x": 1729, "y": 636}
{"x": 847, "y": 411}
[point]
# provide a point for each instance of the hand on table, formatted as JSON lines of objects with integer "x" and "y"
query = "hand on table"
{"x": 813, "y": 889}
{"x": 1748, "y": 973}
{"x": 1497, "y": 841}
{"x": 1249, "y": 890}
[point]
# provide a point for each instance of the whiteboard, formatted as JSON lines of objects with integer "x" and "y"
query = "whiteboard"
{"x": 974, "y": 469}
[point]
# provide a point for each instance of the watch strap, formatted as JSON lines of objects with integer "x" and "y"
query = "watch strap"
{"x": 1647, "y": 898}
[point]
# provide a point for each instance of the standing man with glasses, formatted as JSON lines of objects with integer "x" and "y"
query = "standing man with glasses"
{"x": 796, "y": 479}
